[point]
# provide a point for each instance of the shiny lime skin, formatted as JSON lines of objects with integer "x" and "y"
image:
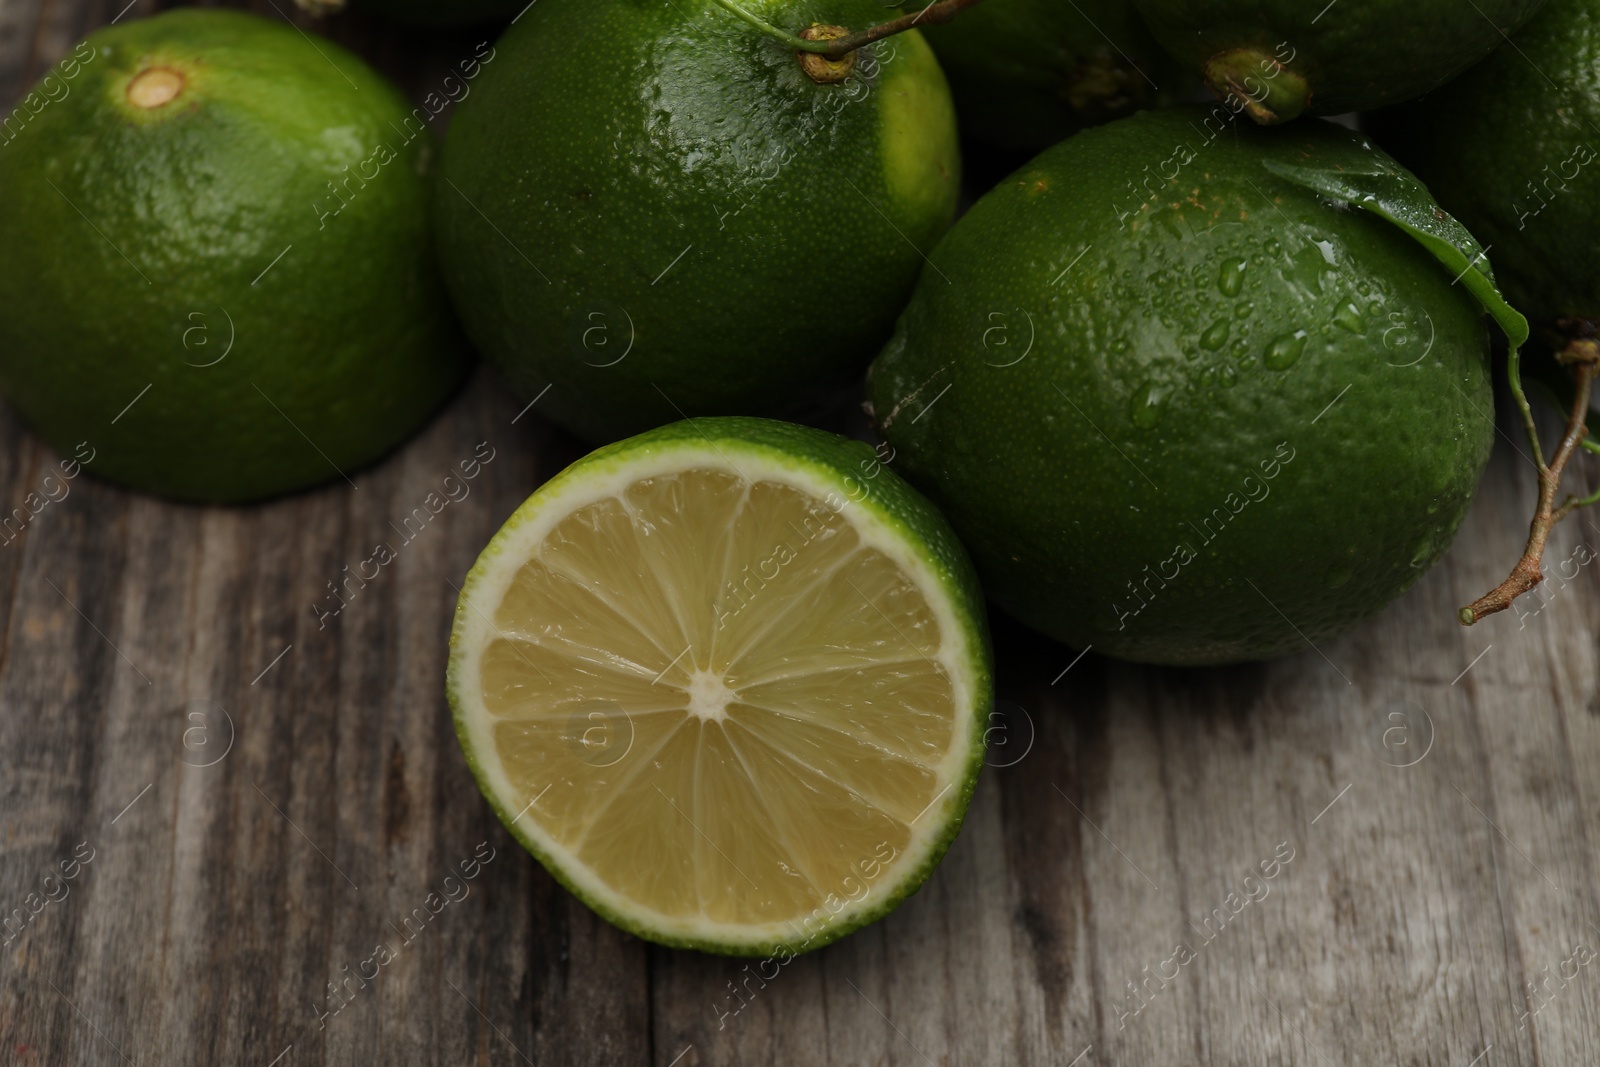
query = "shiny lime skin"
{"x": 1354, "y": 54}
{"x": 201, "y": 290}
{"x": 1518, "y": 160}
{"x": 1206, "y": 423}
{"x": 662, "y": 216}
{"x": 1027, "y": 73}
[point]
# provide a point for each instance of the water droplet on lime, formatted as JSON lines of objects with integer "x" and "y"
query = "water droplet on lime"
{"x": 1145, "y": 407}
{"x": 1282, "y": 353}
{"x": 1349, "y": 318}
{"x": 1231, "y": 279}
{"x": 1215, "y": 335}
{"x": 1172, "y": 222}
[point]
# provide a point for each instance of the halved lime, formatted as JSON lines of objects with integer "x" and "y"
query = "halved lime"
{"x": 728, "y": 681}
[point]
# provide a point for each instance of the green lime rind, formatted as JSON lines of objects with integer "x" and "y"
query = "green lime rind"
{"x": 757, "y": 244}
{"x": 1395, "y": 194}
{"x": 251, "y": 260}
{"x": 1133, "y": 324}
{"x": 860, "y": 477}
{"x": 1353, "y": 55}
{"x": 1026, "y": 73}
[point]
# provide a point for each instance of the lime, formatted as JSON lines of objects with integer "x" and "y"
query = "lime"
{"x": 1279, "y": 58}
{"x": 424, "y": 13}
{"x": 654, "y": 212}
{"x": 728, "y": 681}
{"x": 1511, "y": 149}
{"x": 215, "y": 259}
{"x": 1026, "y": 73}
{"x": 1183, "y": 400}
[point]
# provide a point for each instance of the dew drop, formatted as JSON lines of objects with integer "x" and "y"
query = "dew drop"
{"x": 1215, "y": 335}
{"x": 1231, "y": 278}
{"x": 1282, "y": 353}
{"x": 1350, "y": 318}
{"x": 1423, "y": 553}
{"x": 1145, "y": 407}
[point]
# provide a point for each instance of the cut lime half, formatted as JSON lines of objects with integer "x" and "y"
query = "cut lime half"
{"x": 728, "y": 681}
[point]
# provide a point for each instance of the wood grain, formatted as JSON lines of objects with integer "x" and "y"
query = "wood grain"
{"x": 265, "y": 801}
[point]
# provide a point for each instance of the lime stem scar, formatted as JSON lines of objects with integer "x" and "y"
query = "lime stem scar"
{"x": 825, "y": 70}
{"x": 154, "y": 86}
{"x": 941, "y": 11}
{"x": 1582, "y": 357}
{"x": 1269, "y": 91}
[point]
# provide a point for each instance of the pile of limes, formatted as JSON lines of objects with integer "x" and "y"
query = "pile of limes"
{"x": 1206, "y": 381}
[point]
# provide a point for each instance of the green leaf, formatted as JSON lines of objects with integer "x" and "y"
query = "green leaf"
{"x": 1393, "y": 193}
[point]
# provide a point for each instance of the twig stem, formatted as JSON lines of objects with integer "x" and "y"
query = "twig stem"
{"x": 1582, "y": 356}
{"x": 941, "y": 11}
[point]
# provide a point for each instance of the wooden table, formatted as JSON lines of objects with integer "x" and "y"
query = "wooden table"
{"x": 249, "y": 804}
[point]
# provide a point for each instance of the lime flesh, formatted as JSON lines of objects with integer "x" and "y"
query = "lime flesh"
{"x": 728, "y": 703}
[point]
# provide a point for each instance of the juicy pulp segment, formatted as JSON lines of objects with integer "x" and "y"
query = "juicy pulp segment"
{"x": 719, "y": 698}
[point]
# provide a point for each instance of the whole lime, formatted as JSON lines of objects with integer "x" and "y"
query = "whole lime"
{"x": 652, "y": 210}
{"x": 424, "y": 13}
{"x": 1026, "y": 73}
{"x": 1281, "y": 58}
{"x": 1195, "y": 393}
{"x": 215, "y": 259}
{"x": 1512, "y": 149}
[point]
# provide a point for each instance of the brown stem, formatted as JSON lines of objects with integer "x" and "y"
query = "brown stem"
{"x": 942, "y": 11}
{"x": 1583, "y": 356}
